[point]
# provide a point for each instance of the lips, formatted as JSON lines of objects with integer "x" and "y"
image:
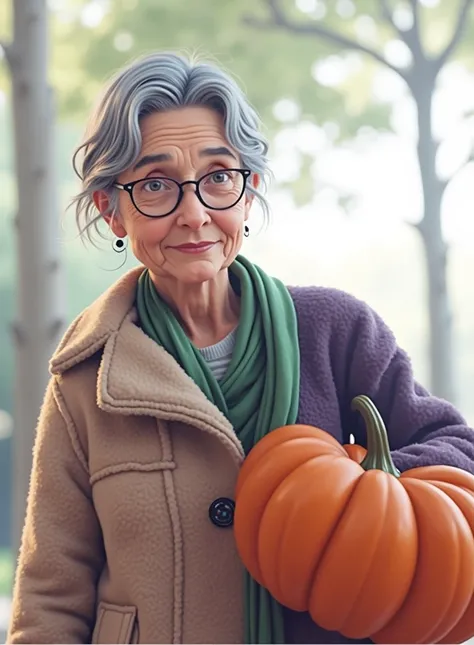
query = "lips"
{"x": 193, "y": 246}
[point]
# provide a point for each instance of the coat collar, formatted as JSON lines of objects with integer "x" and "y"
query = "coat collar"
{"x": 90, "y": 331}
{"x": 136, "y": 375}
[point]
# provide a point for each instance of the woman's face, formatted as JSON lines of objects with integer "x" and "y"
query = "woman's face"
{"x": 183, "y": 144}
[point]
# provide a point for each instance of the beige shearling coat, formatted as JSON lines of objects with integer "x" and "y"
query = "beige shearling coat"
{"x": 118, "y": 546}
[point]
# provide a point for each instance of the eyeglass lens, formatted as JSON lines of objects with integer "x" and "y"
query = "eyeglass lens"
{"x": 157, "y": 196}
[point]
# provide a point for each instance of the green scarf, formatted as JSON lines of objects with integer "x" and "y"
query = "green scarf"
{"x": 259, "y": 392}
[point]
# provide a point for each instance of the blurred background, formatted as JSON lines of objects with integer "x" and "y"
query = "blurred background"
{"x": 369, "y": 108}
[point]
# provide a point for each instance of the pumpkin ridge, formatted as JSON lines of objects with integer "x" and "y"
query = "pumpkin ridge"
{"x": 362, "y": 581}
{"x": 389, "y": 501}
{"x": 284, "y": 533}
{"x": 281, "y": 436}
{"x": 448, "y": 474}
{"x": 252, "y": 489}
{"x": 327, "y": 610}
{"x": 400, "y": 629}
{"x": 452, "y": 596}
{"x": 281, "y": 534}
{"x": 335, "y": 527}
{"x": 463, "y": 629}
{"x": 454, "y": 600}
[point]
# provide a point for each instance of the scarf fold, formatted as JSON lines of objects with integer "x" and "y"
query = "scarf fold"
{"x": 258, "y": 393}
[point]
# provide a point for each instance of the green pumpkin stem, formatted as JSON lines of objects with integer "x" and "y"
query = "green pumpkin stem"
{"x": 378, "y": 449}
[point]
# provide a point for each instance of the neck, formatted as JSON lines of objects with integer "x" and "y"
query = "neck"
{"x": 207, "y": 311}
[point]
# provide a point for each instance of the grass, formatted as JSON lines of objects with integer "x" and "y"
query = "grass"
{"x": 6, "y": 572}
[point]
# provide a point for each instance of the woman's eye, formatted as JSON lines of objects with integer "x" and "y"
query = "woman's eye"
{"x": 219, "y": 177}
{"x": 154, "y": 186}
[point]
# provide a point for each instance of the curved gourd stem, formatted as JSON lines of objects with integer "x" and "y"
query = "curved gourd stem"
{"x": 378, "y": 449}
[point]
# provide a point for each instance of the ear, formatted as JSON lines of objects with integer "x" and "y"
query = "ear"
{"x": 255, "y": 181}
{"x": 249, "y": 197}
{"x": 102, "y": 203}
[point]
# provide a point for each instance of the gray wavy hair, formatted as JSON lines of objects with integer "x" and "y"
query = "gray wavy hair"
{"x": 155, "y": 83}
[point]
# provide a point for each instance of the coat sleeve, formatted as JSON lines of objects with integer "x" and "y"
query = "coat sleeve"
{"x": 61, "y": 552}
{"x": 423, "y": 430}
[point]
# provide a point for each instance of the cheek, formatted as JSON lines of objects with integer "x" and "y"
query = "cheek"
{"x": 231, "y": 222}
{"x": 146, "y": 243}
{"x": 143, "y": 230}
{"x": 151, "y": 233}
{"x": 146, "y": 237}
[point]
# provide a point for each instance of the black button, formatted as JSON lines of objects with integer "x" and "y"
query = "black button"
{"x": 221, "y": 512}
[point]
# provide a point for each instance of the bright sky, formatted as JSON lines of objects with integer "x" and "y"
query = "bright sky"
{"x": 381, "y": 169}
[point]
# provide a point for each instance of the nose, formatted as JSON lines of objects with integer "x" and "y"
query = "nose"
{"x": 191, "y": 212}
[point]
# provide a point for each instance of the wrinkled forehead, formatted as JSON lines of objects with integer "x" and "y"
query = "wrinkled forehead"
{"x": 182, "y": 138}
{"x": 188, "y": 126}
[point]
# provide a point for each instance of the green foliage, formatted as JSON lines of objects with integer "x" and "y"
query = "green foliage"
{"x": 270, "y": 65}
{"x": 5, "y": 37}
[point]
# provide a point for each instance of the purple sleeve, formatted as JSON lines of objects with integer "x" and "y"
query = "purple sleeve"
{"x": 423, "y": 430}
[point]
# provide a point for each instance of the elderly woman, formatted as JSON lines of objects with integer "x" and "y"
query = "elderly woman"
{"x": 161, "y": 386}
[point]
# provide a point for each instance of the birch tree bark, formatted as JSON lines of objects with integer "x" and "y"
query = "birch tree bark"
{"x": 39, "y": 314}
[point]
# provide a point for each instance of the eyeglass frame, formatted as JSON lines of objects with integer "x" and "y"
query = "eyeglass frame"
{"x": 128, "y": 188}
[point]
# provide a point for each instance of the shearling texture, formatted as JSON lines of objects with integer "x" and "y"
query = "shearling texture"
{"x": 347, "y": 350}
{"x": 118, "y": 546}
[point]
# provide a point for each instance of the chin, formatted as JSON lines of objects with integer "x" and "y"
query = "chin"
{"x": 198, "y": 272}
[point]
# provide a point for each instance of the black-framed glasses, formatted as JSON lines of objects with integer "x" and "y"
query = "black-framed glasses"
{"x": 161, "y": 196}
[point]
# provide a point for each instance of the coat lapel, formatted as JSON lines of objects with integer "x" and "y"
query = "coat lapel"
{"x": 137, "y": 376}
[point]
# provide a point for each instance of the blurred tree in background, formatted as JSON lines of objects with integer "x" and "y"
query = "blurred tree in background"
{"x": 419, "y": 68}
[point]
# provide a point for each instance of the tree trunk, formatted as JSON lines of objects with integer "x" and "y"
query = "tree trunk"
{"x": 435, "y": 248}
{"x": 421, "y": 79}
{"x": 39, "y": 297}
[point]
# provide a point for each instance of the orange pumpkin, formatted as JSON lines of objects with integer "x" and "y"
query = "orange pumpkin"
{"x": 367, "y": 551}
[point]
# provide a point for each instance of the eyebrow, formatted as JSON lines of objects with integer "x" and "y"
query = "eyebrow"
{"x": 207, "y": 152}
{"x": 149, "y": 159}
{"x": 214, "y": 152}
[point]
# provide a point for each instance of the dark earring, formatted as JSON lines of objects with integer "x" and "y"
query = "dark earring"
{"x": 246, "y": 231}
{"x": 119, "y": 245}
